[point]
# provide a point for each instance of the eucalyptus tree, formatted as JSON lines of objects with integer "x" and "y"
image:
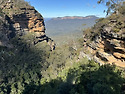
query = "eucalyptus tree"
{"x": 112, "y": 5}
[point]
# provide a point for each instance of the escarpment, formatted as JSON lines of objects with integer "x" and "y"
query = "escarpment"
{"x": 105, "y": 42}
{"x": 5, "y": 33}
{"x": 24, "y": 20}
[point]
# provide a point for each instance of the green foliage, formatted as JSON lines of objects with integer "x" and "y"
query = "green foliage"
{"x": 115, "y": 21}
{"x": 122, "y": 8}
{"x": 112, "y": 5}
{"x": 115, "y": 30}
{"x": 14, "y": 6}
{"x": 27, "y": 63}
{"x": 34, "y": 69}
{"x": 22, "y": 64}
{"x": 87, "y": 78}
{"x": 1, "y": 13}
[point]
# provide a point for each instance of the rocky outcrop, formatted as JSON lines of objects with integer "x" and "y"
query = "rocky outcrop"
{"x": 25, "y": 19}
{"x": 107, "y": 46}
{"x": 5, "y": 33}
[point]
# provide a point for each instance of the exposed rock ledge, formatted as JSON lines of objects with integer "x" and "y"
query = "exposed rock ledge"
{"x": 26, "y": 19}
{"x": 108, "y": 47}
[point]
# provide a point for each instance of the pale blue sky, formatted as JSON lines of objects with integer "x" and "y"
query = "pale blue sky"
{"x": 60, "y": 8}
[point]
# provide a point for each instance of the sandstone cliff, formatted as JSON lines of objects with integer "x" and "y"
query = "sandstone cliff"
{"x": 105, "y": 42}
{"x": 74, "y": 17}
{"x": 24, "y": 20}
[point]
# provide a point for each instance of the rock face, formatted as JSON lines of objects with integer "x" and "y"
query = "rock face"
{"x": 25, "y": 19}
{"x": 5, "y": 33}
{"x": 106, "y": 45}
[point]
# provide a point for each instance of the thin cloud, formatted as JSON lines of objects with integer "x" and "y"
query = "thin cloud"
{"x": 88, "y": 5}
{"x": 94, "y": 6}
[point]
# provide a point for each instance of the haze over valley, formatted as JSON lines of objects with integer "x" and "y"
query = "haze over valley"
{"x": 64, "y": 29}
{"x": 45, "y": 49}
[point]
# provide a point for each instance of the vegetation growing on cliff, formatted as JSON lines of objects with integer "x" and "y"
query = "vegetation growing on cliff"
{"x": 112, "y": 5}
{"x": 29, "y": 68}
{"x": 32, "y": 69}
{"x": 12, "y": 7}
{"x": 83, "y": 79}
{"x": 116, "y": 21}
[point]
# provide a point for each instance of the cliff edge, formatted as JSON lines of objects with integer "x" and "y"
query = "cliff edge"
{"x": 105, "y": 41}
{"x": 24, "y": 19}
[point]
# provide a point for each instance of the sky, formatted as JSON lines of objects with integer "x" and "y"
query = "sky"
{"x": 61, "y": 8}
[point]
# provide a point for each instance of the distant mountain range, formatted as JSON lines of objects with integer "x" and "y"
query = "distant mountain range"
{"x": 68, "y": 25}
{"x": 74, "y": 17}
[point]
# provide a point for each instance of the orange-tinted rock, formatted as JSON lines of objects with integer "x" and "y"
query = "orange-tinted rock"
{"x": 110, "y": 48}
{"x": 26, "y": 19}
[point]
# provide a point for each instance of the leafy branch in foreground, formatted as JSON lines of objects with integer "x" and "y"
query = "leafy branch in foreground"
{"x": 113, "y": 5}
